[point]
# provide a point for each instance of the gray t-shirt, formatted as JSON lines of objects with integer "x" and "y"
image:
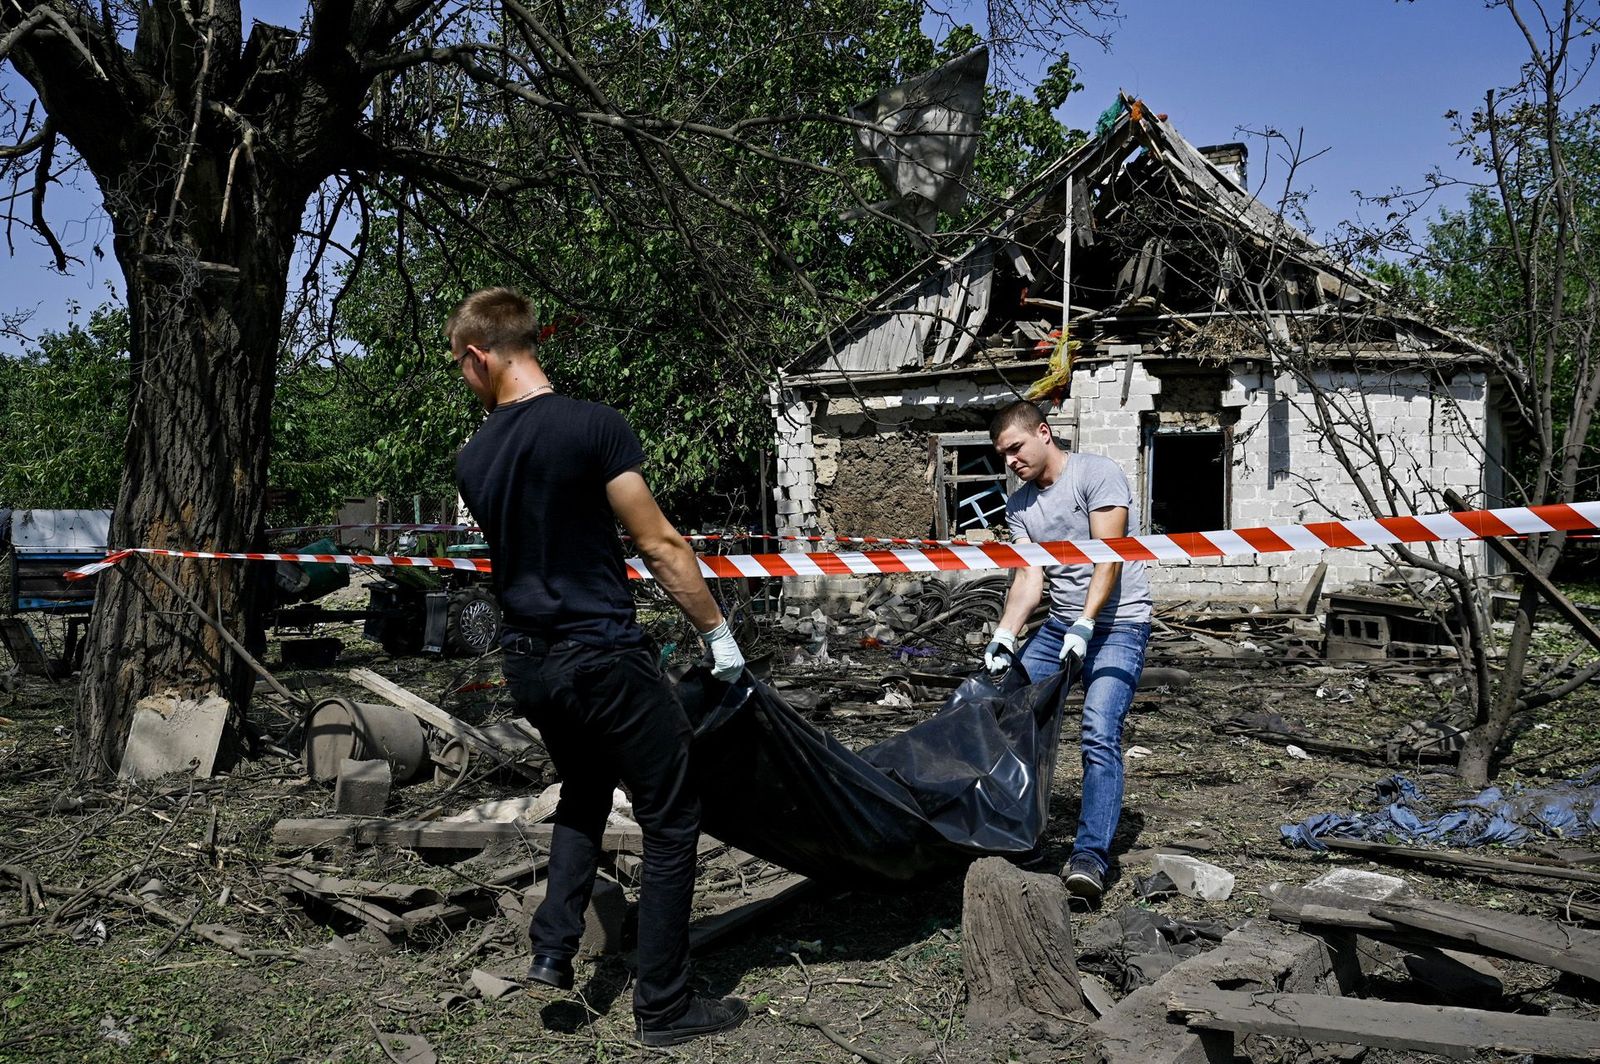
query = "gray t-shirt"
{"x": 1061, "y": 511}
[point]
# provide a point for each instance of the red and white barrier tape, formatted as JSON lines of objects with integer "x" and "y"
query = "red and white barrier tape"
{"x": 1177, "y": 547}
{"x": 707, "y": 537}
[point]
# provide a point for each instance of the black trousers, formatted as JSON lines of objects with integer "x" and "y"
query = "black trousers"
{"x": 607, "y": 715}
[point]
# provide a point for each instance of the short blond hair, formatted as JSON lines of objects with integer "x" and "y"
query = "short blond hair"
{"x": 496, "y": 319}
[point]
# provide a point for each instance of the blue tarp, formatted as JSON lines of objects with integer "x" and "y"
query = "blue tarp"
{"x": 1567, "y": 810}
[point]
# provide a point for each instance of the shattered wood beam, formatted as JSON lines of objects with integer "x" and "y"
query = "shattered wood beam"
{"x": 435, "y": 717}
{"x": 1528, "y": 938}
{"x": 435, "y": 834}
{"x": 762, "y": 901}
{"x": 1385, "y": 1024}
{"x": 1426, "y": 923}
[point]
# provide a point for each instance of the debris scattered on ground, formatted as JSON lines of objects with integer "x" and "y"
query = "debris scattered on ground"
{"x": 412, "y": 922}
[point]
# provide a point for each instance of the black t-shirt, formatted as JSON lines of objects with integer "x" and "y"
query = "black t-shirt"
{"x": 534, "y": 476}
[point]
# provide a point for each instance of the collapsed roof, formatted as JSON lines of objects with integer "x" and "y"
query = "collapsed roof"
{"x": 1167, "y": 252}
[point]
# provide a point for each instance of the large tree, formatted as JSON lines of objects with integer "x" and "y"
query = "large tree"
{"x": 1519, "y": 270}
{"x": 207, "y": 145}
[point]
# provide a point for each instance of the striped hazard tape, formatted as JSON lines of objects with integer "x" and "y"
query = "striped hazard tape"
{"x": 699, "y": 537}
{"x": 1177, "y": 547}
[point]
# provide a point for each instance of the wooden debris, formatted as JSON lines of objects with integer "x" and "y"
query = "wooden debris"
{"x": 1307, "y": 602}
{"x": 434, "y": 834}
{"x": 1530, "y": 572}
{"x": 1566, "y": 949}
{"x": 406, "y": 895}
{"x": 1445, "y": 925}
{"x": 1016, "y": 945}
{"x": 1528, "y": 866}
{"x": 435, "y": 717}
{"x": 1388, "y": 1025}
{"x": 764, "y": 900}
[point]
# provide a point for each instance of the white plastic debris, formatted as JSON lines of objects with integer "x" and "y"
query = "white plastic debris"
{"x": 1136, "y": 752}
{"x": 1195, "y": 878}
{"x": 1296, "y": 753}
{"x": 897, "y": 695}
{"x": 534, "y": 809}
{"x": 110, "y": 1032}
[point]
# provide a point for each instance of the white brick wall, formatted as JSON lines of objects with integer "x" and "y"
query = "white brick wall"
{"x": 796, "y": 454}
{"x": 1431, "y": 435}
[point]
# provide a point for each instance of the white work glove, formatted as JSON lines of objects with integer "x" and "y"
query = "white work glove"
{"x": 727, "y": 661}
{"x": 1076, "y": 642}
{"x": 1001, "y": 652}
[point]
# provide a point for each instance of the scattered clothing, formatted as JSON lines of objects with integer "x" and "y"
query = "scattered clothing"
{"x": 1137, "y": 946}
{"x": 1568, "y": 810}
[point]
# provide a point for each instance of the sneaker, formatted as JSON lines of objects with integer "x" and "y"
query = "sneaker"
{"x": 704, "y": 1016}
{"x": 551, "y": 971}
{"x": 1084, "y": 880}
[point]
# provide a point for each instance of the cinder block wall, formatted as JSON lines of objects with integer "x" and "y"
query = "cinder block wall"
{"x": 862, "y": 457}
{"x": 1431, "y": 437}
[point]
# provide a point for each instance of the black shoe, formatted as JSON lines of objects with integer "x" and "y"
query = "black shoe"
{"x": 1084, "y": 880}
{"x": 704, "y": 1016}
{"x": 551, "y": 971}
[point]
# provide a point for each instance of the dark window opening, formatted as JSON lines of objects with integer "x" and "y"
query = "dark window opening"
{"x": 1188, "y": 481}
{"x": 971, "y": 483}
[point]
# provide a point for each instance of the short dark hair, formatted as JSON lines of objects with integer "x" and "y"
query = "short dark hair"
{"x": 1021, "y": 414}
{"x": 499, "y": 319}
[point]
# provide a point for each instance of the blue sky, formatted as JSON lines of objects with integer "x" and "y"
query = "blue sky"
{"x": 1367, "y": 80}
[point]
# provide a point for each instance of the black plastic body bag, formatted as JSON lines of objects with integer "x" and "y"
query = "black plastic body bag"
{"x": 971, "y": 781}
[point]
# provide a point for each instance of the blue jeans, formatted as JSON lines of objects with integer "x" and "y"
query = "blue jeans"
{"x": 1110, "y": 677}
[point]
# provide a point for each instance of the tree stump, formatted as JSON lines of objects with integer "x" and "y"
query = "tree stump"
{"x": 1016, "y": 945}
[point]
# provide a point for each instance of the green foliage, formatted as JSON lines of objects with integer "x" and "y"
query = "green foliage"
{"x": 1470, "y": 271}
{"x": 64, "y": 408}
{"x": 672, "y": 308}
{"x": 676, "y": 309}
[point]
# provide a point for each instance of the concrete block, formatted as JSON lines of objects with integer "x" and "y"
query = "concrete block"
{"x": 362, "y": 788}
{"x": 1259, "y": 955}
{"x": 171, "y": 734}
{"x": 602, "y": 921}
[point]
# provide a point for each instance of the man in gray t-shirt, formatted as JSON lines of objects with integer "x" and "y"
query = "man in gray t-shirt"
{"x": 1099, "y": 614}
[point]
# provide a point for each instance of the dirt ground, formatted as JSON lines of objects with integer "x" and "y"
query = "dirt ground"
{"x": 880, "y": 973}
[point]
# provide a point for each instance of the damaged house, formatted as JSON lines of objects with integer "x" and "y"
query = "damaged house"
{"x": 1203, "y": 329}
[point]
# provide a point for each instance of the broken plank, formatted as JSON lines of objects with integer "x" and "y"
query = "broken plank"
{"x": 428, "y": 713}
{"x": 708, "y": 929}
{"x": 476, "y": 901}
{"x": 1528, "y": 938}
{"x": 1384, "y": 1024}
{"x": 309, "y": 882}
{"x": 435, "y": 834}
{"x": 1528, "y": 867}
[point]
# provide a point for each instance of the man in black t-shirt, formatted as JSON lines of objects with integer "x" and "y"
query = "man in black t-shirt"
{"x": 548, "y": 478}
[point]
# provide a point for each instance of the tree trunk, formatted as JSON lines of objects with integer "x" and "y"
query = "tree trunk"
{"x": 205, "y": 331}
{"x": 1480, "y": 754}
{"x": 1016, "y": 946}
